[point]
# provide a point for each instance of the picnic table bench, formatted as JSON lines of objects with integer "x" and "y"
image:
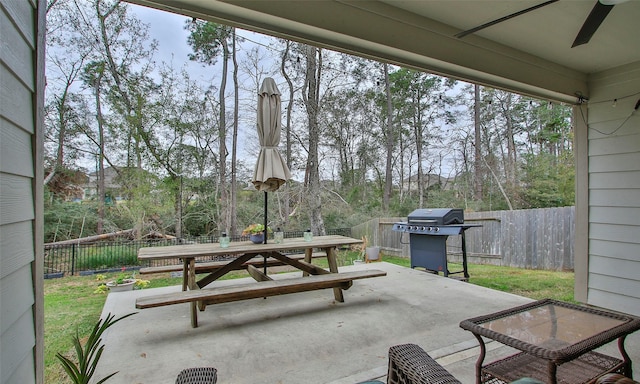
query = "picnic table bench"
{"x": 249, "y": 256}
{"x": 254, "y": 291}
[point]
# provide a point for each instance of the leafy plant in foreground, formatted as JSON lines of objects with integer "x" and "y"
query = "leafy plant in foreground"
{"x": 88, "y": 356}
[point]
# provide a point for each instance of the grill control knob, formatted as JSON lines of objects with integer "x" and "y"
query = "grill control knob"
{"x": 437, "y": 229}
{"x": 430, "y": 229}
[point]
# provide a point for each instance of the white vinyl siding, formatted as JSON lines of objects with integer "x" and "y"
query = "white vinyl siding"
{"x": 614, "y": 190}
{"x": 20, "y": 194}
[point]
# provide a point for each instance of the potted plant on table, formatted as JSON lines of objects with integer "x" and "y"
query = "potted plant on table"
{"x": 255, "y": 233}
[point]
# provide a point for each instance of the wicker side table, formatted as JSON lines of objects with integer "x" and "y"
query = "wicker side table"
{"x": 584, "y": 369}
{"x": 557, "y": 341}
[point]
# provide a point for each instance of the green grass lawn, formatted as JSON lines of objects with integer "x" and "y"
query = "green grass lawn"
{"x": 71, "y": 304}
{"x": 535, "y": 284}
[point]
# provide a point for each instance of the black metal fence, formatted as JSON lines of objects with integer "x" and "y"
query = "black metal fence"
{"x": 112, "y": 256}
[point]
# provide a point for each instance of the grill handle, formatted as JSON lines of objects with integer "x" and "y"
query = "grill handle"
{"x": 425, "y": 221}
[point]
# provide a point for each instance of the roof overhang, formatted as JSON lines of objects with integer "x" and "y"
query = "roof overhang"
{"x": 510, "y": 55}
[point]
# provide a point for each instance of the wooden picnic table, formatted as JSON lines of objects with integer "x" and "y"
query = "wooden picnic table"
{"x": 241, "y": 255}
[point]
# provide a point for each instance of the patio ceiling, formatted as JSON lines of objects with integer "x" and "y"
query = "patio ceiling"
{"x": 530, "y": 53}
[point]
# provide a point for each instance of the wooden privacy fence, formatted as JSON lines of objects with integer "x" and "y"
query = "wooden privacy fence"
{"x": 529, "y": 238}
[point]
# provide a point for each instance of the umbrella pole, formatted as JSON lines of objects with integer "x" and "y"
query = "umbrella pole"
{"x": 265, "y": 217}
{"x": 265, "y": 232}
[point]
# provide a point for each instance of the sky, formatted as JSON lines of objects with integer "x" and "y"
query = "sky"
{"x": 168, "y": 29}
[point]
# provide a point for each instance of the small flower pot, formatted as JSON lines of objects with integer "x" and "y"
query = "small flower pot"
{"x": 257, "y": 238}
{"x": 127, "y": 285}
{"x": 373, "y": 253}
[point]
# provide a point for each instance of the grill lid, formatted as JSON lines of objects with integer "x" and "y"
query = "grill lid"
{"x": 437, "y": 216}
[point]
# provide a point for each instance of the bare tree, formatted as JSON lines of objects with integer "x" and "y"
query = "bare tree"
{"x": 287, "y": 127}
{"x": 478, "y": 168}
{"x": 65, "y": 61}
{"x": 93, "y": 75}
{"x": 389, "y": 140}
{"x": 233, "y": 199}
{"x": 311, "y": 97}
{"x": 209, "y": 40}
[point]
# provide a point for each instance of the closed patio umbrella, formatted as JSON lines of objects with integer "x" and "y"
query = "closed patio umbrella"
{"x": 271, "y": 170}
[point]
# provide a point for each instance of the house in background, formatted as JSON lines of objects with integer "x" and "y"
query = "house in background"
{"x": 112, "y": 185}
{"x": 431, "y": 180}
{"x": 533, "y": 54}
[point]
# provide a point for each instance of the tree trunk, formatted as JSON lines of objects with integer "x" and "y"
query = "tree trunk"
{"x": 232, "y": 225}
{"x": 388, "y": 142}
{"x": 222, "y": 136}
{"x": 62, "y": 130}
{"x": 175, "y": 179}
{"x": 402, "y": 174}
{"x": 511, "y": 145}
{"x": 504, "y": 193}
{"x": 417, "y": 132}
{"x": 312, "y": 105}
{"x": 478, "y": 174}
{"x": 61, "y": 106}
{"x": 101, "y": 184}
{"x": 287, "y": 203}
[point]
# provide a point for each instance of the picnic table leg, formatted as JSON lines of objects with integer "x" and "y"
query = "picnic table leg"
{"x": 191, "y": 273}
{"x": 185, "y": 274}
{"x": 308, "y": 252}
{"x": 333, "y": 267}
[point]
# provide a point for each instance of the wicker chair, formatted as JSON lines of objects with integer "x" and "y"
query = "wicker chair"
{"x": 410, "y": 364}
{"x": 206, "y": 375}
{"x": 614, "y": 378}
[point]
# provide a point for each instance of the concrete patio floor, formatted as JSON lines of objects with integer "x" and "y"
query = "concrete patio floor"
{"x": 307, "y": 337}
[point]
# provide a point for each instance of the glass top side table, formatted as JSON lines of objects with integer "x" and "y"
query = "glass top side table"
{"x": 557, "y": 340}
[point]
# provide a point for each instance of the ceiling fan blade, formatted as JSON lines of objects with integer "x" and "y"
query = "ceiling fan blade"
{"x": 500, "y": 20}
{"x": 591, "y": 24}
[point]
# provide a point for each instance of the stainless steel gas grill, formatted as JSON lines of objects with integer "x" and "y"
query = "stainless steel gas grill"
{"x": 428, "y": 231}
